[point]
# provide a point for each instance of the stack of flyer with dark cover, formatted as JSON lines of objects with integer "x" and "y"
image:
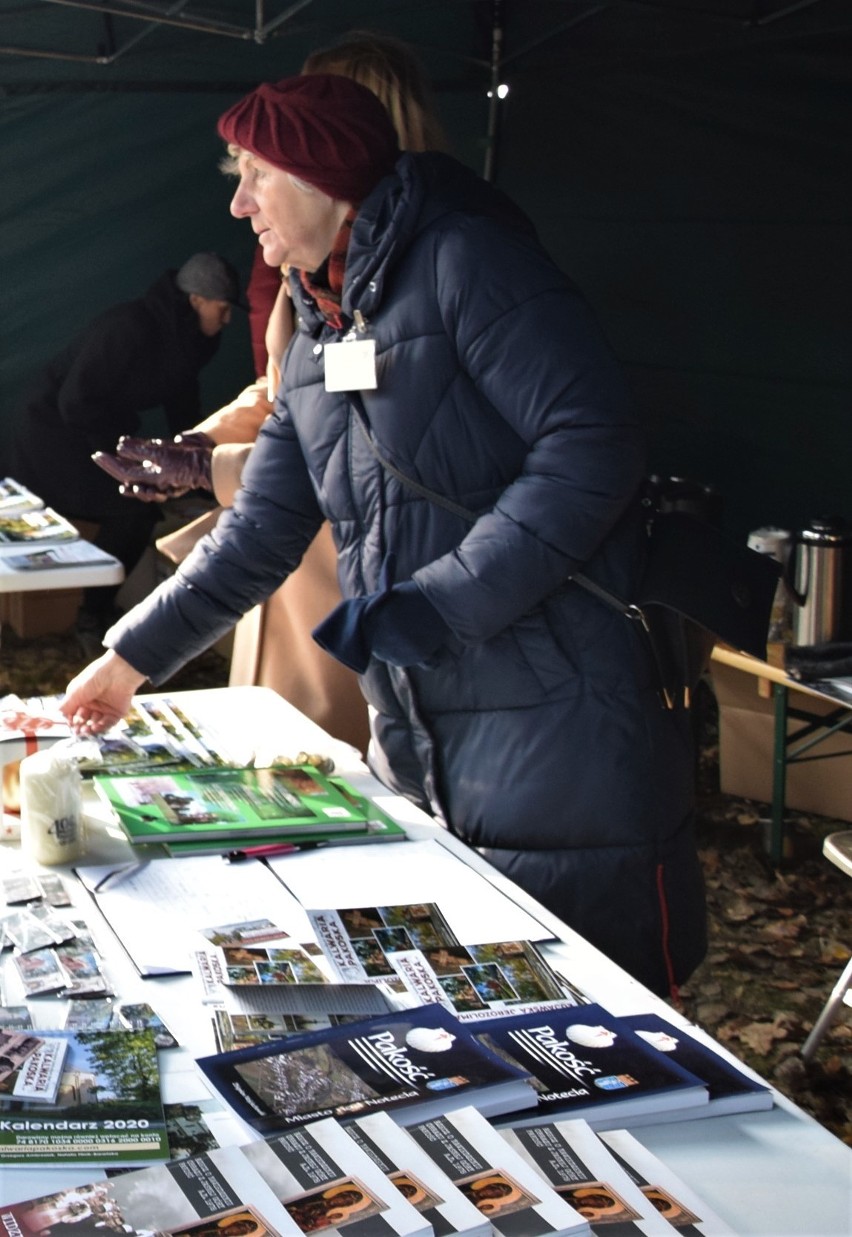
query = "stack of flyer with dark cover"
{"x": 412, "y": 1064}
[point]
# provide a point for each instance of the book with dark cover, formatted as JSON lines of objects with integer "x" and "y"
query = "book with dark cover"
{"x": 234, "y": 805}
{"x": 730, "y": 1088}
{"x": 587, "y": 1063}
{"x": 411, "y": 1063}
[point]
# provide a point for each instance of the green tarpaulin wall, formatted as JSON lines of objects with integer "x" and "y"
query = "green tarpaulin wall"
{"x": 690, "y": 170}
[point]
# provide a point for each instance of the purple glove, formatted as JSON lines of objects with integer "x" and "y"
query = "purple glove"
{"x": 154, "y": 470}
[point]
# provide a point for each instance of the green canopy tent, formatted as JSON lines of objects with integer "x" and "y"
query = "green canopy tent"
{"x": 685, "y": 161}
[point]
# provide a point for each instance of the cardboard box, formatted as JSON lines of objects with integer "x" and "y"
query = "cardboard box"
{"x": 746, "y": 748}
{"x": 45, "y": 612}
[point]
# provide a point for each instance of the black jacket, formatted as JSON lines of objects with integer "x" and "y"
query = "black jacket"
{"x": 137, "y": 356}
{"x": 535, "y": 732}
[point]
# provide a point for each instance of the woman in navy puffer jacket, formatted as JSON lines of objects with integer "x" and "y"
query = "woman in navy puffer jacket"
{"x": 506, "y": 699}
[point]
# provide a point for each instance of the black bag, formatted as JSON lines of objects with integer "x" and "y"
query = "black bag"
{"x": 699, "y": 586}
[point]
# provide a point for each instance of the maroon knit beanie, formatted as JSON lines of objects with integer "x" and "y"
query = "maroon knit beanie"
{"x": 324, "y": 128}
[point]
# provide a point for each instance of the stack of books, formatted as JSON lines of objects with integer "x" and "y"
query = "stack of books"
{"x": 215, "y": 810}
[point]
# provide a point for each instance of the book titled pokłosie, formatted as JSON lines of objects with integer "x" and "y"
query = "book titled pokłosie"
{"x": 328, "y": 1183}
{"x": 587, "y": 1063}
{"x": 506, "y": 1189}
{"x": 730, "y": 1089}
{"x": 416, "y": 1175}
{"x": 411, "y": 1063}
{"x": 678, "y": 1204}
{"x": 582, "y": 1169}
{"x": 238, "y": 805}
{"x": 108, "y": 1109}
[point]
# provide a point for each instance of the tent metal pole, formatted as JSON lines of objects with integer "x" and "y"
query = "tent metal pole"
{"x": 493, "y": 133}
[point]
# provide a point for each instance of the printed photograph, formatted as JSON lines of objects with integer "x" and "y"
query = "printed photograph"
{"x": 334, "y": 1206}
{"x": 496, "y": 1194}
{"x": 419, "y": 1195}
{"x": 598, "y": 1203}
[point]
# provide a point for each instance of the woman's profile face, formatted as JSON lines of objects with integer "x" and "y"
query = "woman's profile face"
{"x": 293, "y": 224}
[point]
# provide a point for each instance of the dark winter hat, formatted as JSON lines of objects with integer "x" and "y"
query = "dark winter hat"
{"x": 208, "y": 275}
{"x": 326, "y": 129}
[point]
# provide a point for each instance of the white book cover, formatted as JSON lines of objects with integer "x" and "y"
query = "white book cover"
{"x": 426, "y": 1186}
{"x": 502, "y": 1184}
{"x": 588, "y": 1176}
{"x": 675, "y": 1201}
{"x": 326, "y": 1183}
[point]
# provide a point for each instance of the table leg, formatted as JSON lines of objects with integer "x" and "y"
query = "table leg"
{"x": 779, "y": 776}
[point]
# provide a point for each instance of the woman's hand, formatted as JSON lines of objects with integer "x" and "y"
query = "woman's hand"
{"x": 101, "y": 694}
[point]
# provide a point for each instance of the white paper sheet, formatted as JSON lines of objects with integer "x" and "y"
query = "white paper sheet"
{"x": 156, "y": 909}
{"x": 424, "y": 871}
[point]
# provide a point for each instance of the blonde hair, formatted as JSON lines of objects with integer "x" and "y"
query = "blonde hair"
{"x": 389, "y": 68}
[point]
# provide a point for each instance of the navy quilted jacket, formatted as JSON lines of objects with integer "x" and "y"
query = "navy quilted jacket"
{"x": 535, "y": 732}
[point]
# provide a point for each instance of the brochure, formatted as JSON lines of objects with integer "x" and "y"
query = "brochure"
{"x": 359, "y": 940}
{"x": 581, "y": 1169}
{"x": 327, "y": 1183}
{"x": 412, "y": 1063}
{"x": 215, "y": 1194}
{"x": 673, "y": 1199}
{"x": 481, "y": 981}
{"x": 495, "y": 1177}
{"x": 423, "y": 1182}
{"x": 587, "y": 1063}
{"x": 79, "y": 554}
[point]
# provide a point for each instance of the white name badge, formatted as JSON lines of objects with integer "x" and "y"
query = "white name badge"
{"x": 350, "y": 366}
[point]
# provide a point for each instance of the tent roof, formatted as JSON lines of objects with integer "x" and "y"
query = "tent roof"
{"x": 120, "y": 42}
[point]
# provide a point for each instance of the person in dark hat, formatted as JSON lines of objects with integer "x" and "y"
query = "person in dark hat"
{"x": 450, "y": 406}
{"x": 136, "y": 357}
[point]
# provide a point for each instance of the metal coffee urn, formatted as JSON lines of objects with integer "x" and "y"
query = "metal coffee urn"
{"x": 819, "y": 577}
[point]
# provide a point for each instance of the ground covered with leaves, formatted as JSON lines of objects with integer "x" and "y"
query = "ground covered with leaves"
{"x": 778, "y": 939}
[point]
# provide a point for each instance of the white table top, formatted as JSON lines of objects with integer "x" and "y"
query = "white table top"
{"x": 768, "y": 1174}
